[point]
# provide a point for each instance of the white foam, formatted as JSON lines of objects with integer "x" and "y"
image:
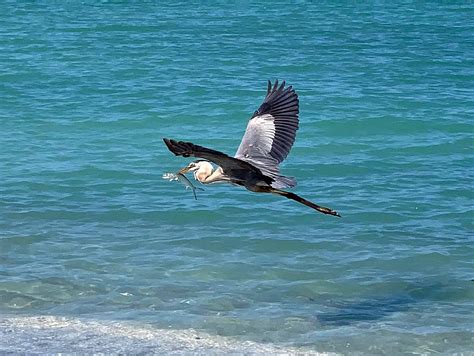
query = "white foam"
{"x": 50, "y": 334}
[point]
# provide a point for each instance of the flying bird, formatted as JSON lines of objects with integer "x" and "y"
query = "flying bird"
{"x": 268, "y": 139}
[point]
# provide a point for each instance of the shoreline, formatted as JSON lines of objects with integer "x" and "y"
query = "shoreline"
{"x": 51, "y": 334}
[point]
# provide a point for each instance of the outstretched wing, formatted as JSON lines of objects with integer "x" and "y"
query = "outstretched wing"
{"x": 235, "y": 168}
{"x": 271, "y": 131}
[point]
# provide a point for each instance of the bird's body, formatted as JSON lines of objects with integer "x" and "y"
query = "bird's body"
{"x": 268, "y": 139}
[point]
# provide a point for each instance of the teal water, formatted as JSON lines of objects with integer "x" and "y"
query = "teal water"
{"x": 89, "y": 229}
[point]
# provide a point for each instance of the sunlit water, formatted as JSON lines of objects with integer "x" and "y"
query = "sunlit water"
{"x": 90, "y": 230}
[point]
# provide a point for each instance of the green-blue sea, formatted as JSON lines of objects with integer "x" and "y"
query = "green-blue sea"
{"x": 90, "y": 231}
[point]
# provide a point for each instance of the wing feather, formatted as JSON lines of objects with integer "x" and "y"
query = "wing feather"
{"x": 271, "y": 131}
{"x": 233, "y": 167}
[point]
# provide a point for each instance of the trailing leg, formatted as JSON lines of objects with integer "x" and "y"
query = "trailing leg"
{"x": 301, "y": 200}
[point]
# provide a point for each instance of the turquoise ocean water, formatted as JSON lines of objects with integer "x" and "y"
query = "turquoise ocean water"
{"x": 90, "y": 230}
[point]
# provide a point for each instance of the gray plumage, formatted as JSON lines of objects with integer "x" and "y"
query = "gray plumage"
{"x": 271, "y": 132}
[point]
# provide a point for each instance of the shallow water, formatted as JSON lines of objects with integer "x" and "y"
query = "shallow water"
{"x": 89, "y": 229}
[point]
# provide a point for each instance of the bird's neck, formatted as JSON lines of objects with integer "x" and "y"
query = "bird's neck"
{"x": 203, "y": 175}
{"x": 209, "y": 175}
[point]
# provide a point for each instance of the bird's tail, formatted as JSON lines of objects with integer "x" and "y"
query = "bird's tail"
{"x": 301, "y": 200}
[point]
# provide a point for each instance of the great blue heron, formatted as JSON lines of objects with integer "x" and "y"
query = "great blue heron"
{"x": 268, "y": 139}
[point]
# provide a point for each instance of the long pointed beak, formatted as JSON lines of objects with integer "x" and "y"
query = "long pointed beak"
{"x": 184, "y": 170}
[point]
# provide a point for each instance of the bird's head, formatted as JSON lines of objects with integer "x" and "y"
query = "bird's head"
{"x": 198, "y": 167}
